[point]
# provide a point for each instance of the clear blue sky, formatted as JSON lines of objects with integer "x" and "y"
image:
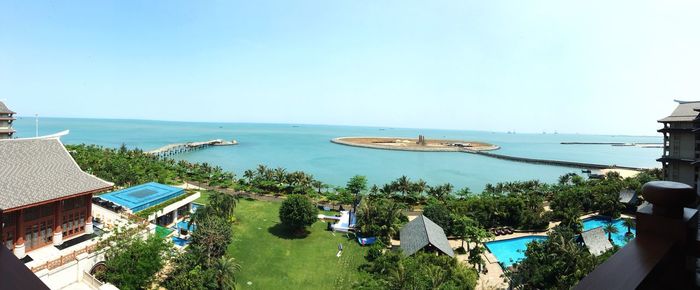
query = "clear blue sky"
{"x": 584, "y": 66}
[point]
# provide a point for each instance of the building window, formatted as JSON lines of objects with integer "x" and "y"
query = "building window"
{"x": 9, "y": 238}
{"x": 74, "y": 222}
{"x": 38, "y": 233}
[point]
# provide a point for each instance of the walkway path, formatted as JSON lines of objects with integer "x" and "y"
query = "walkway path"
{"x": 172, "y": 149}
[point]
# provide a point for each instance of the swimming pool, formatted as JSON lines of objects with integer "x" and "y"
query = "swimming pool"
{"x": 143, "y": 196}
{"x": 619, "y": 238}
{"x": 510, "y": 251}
{"x": 180, "y": 242}
{"x": 183, "y": 225}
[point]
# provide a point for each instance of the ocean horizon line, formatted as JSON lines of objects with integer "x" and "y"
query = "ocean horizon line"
{"x": 339, "y": 125}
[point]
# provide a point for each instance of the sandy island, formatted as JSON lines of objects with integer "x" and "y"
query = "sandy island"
{"x": 412, "y": 144}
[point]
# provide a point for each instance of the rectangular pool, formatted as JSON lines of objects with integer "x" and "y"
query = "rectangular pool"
{"x": 140, "y": 197}
{"x": 511, "y": 251}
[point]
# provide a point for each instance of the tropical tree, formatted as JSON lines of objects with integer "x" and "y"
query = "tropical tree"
{"x": 226, "y": 269}
{"x": 475, "y": 257}
{"x": 477, "y": 235}
{"x": 379, "y": 217}
{"x": 460, "y": 227}
{"x": 223, "y": 204}
{"x": 464, "y": 193}
{"x": 439, "y": 214}
{"x": 249, "y": 175}
{"x": 210, "y": 240}
{"x": 297, "y": 212}
{"x": 403, "y": 185}
{"x": 318, "y": 185}
{"x": 555, "y": 263}
{"x": 132, "y": 262}
{"x": 629, "y": 223}
{"x": 393, "y": 270}
{"x": 355, "y": 186}
{"x": 440, "y": 192}
{"x": 610, "y": 228}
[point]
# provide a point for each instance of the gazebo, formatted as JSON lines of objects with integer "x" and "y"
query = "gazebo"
{"x": 596, "y": 241}
{"x": 423, "y": 234}
{"x": 628, "y": 197}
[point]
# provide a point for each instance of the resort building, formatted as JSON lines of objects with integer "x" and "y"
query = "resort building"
{"x": 44, "y": 195}
{"x": 46, "y": 214}
{"x": 423, "y": 234}
{"x": 165, "y": 205}
{"x": 6, "y": 119}
{"x": 681, "y": 152}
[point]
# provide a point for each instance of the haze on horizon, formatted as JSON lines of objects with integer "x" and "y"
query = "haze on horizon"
{"x": 589, "y": 67}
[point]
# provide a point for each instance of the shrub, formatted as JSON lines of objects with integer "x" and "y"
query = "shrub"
{"x": 297, "y": 212}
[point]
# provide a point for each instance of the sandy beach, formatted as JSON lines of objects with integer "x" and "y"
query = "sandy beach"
{"x": 412, "y": 144}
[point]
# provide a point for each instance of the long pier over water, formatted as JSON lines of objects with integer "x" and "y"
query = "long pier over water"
{"x": 177, "y": 148}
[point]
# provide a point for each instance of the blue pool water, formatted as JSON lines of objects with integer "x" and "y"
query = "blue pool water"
{"x": 183, "y": 225}
{"x": 195, "y": 206}
{"x": 619, "y": 238}
{"x": 180, "y": 242}
{"x": 511, "y": 251}
{"x": 143, "y": 196}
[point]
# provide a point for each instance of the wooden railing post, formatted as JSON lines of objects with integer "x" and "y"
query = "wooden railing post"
{"x": 662, "y": 256}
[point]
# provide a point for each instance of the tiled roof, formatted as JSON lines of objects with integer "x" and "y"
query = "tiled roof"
{"x": 627, "y": 196}
{"x": 36, "y": 170}
{"x": 596, "y": 240}
{"x": 4, "y": 109}
{"x": 422, "y": 232}
{"x": 685, "y": 112}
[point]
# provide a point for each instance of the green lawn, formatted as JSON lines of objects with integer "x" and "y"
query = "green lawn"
{"x": 203, "y": 197}
{"x": 272, "y": 259}
{"x": 163, "y": 232}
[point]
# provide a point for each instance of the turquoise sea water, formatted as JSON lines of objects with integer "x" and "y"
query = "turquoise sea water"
{"x": 510, "y": 251}
{"x": 307, "y": 148}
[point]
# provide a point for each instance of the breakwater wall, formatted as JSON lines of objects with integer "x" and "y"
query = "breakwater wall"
{"x": 572, "y": 164}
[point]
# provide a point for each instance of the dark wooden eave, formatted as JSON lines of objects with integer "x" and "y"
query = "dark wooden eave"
{"x": 668, "y": 158}
{"x": 15, "y": 275}
{"x": 675, "y": 130}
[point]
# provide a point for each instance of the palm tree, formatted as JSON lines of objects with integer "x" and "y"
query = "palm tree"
{"x": 318, "y": 185}
{"x": 249, "y": 175}
{"x": 223, "y": 204}
{"x": 387, "y": 190}
{"x": 226, "y": 269}
{"x": 403, "y": 184}
{"x": 262, "y": 171}
{"x": 280, "y": 174}
{"x": 629, "y": 223}
{"x": 610, "y": 229}
{"x": 419, "y": 186}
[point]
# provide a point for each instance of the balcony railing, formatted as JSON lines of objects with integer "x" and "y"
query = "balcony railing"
{"x": 663, "y": 256}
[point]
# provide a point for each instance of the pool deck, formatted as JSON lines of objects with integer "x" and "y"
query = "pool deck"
{"x": 493, "y": 278}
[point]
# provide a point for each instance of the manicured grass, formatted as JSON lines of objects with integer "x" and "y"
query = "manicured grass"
{"x": 162, "y": 232}
{"x": 271, "y": 258}
{"x": 203, "y": 197}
